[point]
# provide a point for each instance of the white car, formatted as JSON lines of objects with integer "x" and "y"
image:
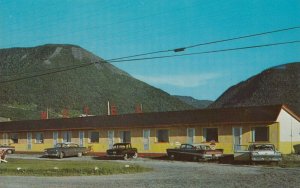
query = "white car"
{"x": 8, "y": 149}
{"x": 257, "y": 153}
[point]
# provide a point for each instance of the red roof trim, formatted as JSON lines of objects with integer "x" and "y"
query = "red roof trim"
{"x": 286, "y": 108}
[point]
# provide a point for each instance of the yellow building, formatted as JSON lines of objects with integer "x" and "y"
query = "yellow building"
{"x": 155, "y": 132}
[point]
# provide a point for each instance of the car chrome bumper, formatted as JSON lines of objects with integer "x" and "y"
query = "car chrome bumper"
{"x": 114, "y": 155}
{"x": 212, "y": 157}
{"x": 266, "y": 159}
{"x": 51, "y": 154}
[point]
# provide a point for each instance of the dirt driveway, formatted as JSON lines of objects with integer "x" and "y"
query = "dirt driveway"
{"x": 170, "y": 174}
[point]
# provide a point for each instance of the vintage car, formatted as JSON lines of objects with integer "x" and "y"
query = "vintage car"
{"x": 67, "y": 149}
{"x": 8, "y": 149}
{"x": 257, "y": 153}
{"x": 195, "y": 152}
{"x": 122, "y": 150}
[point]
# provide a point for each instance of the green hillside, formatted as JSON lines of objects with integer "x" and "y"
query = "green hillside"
{"x": 199, "y": 104}
{"x": 91, "y": 85}
{"x": 276, "y": 85}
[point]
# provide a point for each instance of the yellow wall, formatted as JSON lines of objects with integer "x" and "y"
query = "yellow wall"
{"x": 177, "y": 135}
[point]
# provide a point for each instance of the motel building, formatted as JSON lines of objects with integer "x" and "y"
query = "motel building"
{"x": 153, "y": 133}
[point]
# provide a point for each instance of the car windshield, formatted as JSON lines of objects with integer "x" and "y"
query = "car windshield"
{"x": 202, "y": 147}
{"x": 263, "y": 147}
{"x": 119, "y": 146}
{"x": 59, "y": 145}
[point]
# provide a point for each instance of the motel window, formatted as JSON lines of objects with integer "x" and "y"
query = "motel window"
{"x": 162, "y": 135}
{"x": 14, "y": 138}
{"x": 125, "y": 137}
{"x": 210, "y": 134}
{"x": 260, "y": 134}
{"x": 39, "y": 138}
{"x": 67, "y": 135}
{"x": 94, "y": 137}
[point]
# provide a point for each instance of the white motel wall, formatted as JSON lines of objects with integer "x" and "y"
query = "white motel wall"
{"x": 289, "y": 132}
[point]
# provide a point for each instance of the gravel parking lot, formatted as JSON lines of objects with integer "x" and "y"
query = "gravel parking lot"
{"x": 168, "y": 174}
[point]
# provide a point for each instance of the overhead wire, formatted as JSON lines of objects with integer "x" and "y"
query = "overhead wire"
{"x": 47, "y": 73}
{"x": 212, "y": 42}
{"x": 156, "y": 57}
{"x": 207, "y": 52}
{"x": 179, "y": 49}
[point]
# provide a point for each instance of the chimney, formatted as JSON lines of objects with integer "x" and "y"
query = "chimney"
{"x": 44, "y": 115}
{"x": 139, "y": 108}
{"x": 65, "y": 113}
{"x": 86, "y": 110}
{"x": 113, "y": 110}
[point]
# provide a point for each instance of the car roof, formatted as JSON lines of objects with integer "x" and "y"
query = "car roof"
{"x": 66, "y": 143}
{"x": 122, "y": 143}
{"x": 263, "y": 144}
{"x": 200, "y": 144}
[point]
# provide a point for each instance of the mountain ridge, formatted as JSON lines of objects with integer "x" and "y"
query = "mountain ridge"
{"x": 90, "y": 86}
{"x": 199, "y": 104}
{"x": 275, "y": 85}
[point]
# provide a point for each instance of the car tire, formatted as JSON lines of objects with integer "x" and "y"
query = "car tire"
{"x": 125, "y": 157}
{"x": 172, "y": 156}
{"x": 61, "y": 155}
{"x": 79, "y": 154}
{"x": 195, "y": 158}
{"x": 135, "y": 155}
{"x": 9, "y": 151}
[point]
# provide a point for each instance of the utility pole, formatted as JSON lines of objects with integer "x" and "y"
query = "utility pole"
{"x": 108, "y": 108}
{"x": 291, "y": 136}
{"x": 47, "y": 113}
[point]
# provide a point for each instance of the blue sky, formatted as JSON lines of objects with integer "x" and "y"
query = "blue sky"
{"x": 112, "y": 29}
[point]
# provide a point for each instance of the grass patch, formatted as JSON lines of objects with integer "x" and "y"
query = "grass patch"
{"x": 24, "y": 167}
{"x": 290, "y": 161}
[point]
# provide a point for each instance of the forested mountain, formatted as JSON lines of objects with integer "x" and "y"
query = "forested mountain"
{"x": 90, "y": 85}
{"x": 277, "y": 85}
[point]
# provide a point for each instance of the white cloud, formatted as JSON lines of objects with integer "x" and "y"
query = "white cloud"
{"x": 186, "y": 80}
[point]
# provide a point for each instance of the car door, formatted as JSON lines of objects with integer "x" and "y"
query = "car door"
{"x": 190, "y": 151}
{"x": 241, "y": 153}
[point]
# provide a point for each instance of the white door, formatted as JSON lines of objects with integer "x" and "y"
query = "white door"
{"x": 55, "y": 138}
{"x": 29, "y": 141}
{"x": 237, "y": 137}
{"x": 110, "y": 139}
{"x": 5, "y": 139}
{"x": 81, "y": 138}
{"x": 146, "y": 139}
{"x": 67, "y": 136}
{"x": 190, "y": 135}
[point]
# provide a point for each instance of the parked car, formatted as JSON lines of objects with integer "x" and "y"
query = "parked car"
{"x": 257, "y": 153}
{"x": 8, "y": 149}
{"x": 62, "y": 150}
{"x": 122, "y": 150}
{"x": 195, "y": 152}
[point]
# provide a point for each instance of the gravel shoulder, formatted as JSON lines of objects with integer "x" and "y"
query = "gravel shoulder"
{"x": 168, "y": 174}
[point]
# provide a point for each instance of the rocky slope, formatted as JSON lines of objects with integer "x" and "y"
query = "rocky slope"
{"x": 90, "y": 86}
{"x": 277, "y": 85}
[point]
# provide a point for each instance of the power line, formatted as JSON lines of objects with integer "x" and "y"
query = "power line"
{"x": 180, "y": 48}
{"x": 24, "y": 73}
{"x": 156, "y": 57}
{"x": 48, "y": 73}
{"x": 208, "y": 43}
{"x": 207, "y": 52}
